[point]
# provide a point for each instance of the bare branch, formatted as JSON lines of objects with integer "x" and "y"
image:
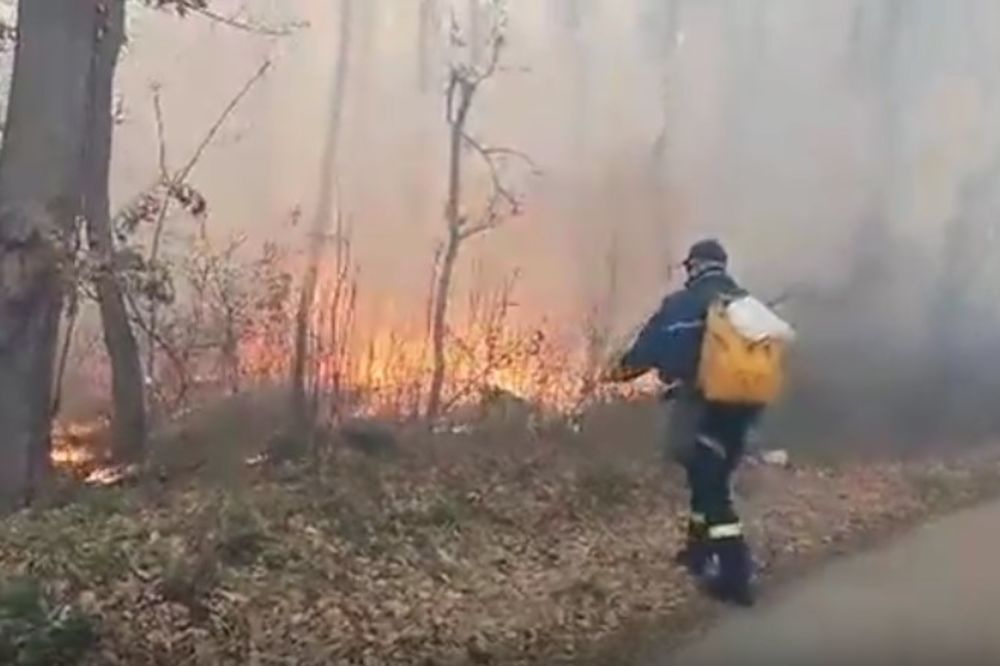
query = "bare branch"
{"x": 500, "y": 151}
{"x": 200, "y": 7}
{"x": 223, "y": 117}
{"x": 502, "y": 196}
{"x": 155, "y": 339}
{"x": 177, "y": 179}
{"x": 498, "y": 43}
{"x": 161, "y": 134}
{"x": 455, "y": 37}
{"x": 487, "y": 155}
{"x": 173, "y": 180}
{"x": 489, "y": 223}
{"x": 252, "y": 27}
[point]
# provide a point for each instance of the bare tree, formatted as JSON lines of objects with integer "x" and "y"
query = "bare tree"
{"x": 40, "y": 185}
{"x": 465, "y": 81}
{"x": 128, "y": 424}
{"x": 301, "y": 411}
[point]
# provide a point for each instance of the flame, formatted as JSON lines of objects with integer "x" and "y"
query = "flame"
{"x": 387, "y": 375}
{"x": 74, "y": 443}
{"x": 381, "y": 368}
{"x": 386, "y": 370}
{"x": 77, "y": 448}
{"x": 67, "y": 457}
{"x": 392, "y": 366}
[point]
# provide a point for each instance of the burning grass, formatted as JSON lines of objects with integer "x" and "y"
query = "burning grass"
{"x": 79, "y": 447}
{"x": 231, "y": 343}
{"x": 230, "y": 327}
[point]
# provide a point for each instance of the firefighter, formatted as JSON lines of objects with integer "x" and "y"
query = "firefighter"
{"x": 707, "y": 439}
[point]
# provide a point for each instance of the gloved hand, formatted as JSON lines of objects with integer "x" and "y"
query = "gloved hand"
{"x": 670, "y": 391}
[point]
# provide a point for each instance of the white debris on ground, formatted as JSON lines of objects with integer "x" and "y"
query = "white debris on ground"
{"x": 776, "y": 458}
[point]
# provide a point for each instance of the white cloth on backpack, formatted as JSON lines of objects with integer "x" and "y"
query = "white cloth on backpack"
{"x": 756, "y": 322}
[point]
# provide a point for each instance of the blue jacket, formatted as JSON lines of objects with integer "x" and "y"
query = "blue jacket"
{"x": 671, "y": 340}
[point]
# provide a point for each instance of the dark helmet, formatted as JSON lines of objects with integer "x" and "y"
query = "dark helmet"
{"x": 708, "y": 251}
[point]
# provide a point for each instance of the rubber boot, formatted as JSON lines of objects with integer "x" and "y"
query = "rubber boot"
{"x": 732, "y": 584}
{"x": 695, "y": 554}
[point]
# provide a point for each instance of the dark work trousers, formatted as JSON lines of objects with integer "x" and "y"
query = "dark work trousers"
{"x": 718, "y": 448}
{"x": 709, "y": 441}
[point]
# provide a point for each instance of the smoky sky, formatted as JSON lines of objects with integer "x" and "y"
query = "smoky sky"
{"x": 815, "y": 139}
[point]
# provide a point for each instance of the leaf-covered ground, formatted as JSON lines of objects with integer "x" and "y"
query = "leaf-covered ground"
{"x": 514, "y": 559}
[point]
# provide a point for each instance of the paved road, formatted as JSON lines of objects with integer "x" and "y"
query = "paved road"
{"x": 931, "y": 598}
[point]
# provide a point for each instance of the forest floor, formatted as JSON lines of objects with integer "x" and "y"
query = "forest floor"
{"x": 463, "y": 550}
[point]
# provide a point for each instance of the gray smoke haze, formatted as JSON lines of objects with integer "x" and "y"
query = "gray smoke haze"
{"x": 846, "y": 150}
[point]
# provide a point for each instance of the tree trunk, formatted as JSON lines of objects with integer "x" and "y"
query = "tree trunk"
{"x": 39, "y": 201}
{"x": 301, "y": 412}
{"x": 439, "y": 324}
{"x": 453, "y": 218}
{"x": 128, "y": 424}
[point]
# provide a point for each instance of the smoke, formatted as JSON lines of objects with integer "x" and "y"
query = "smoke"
{"x": 893, "y": 356}
{"x": 846, "y": 150}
